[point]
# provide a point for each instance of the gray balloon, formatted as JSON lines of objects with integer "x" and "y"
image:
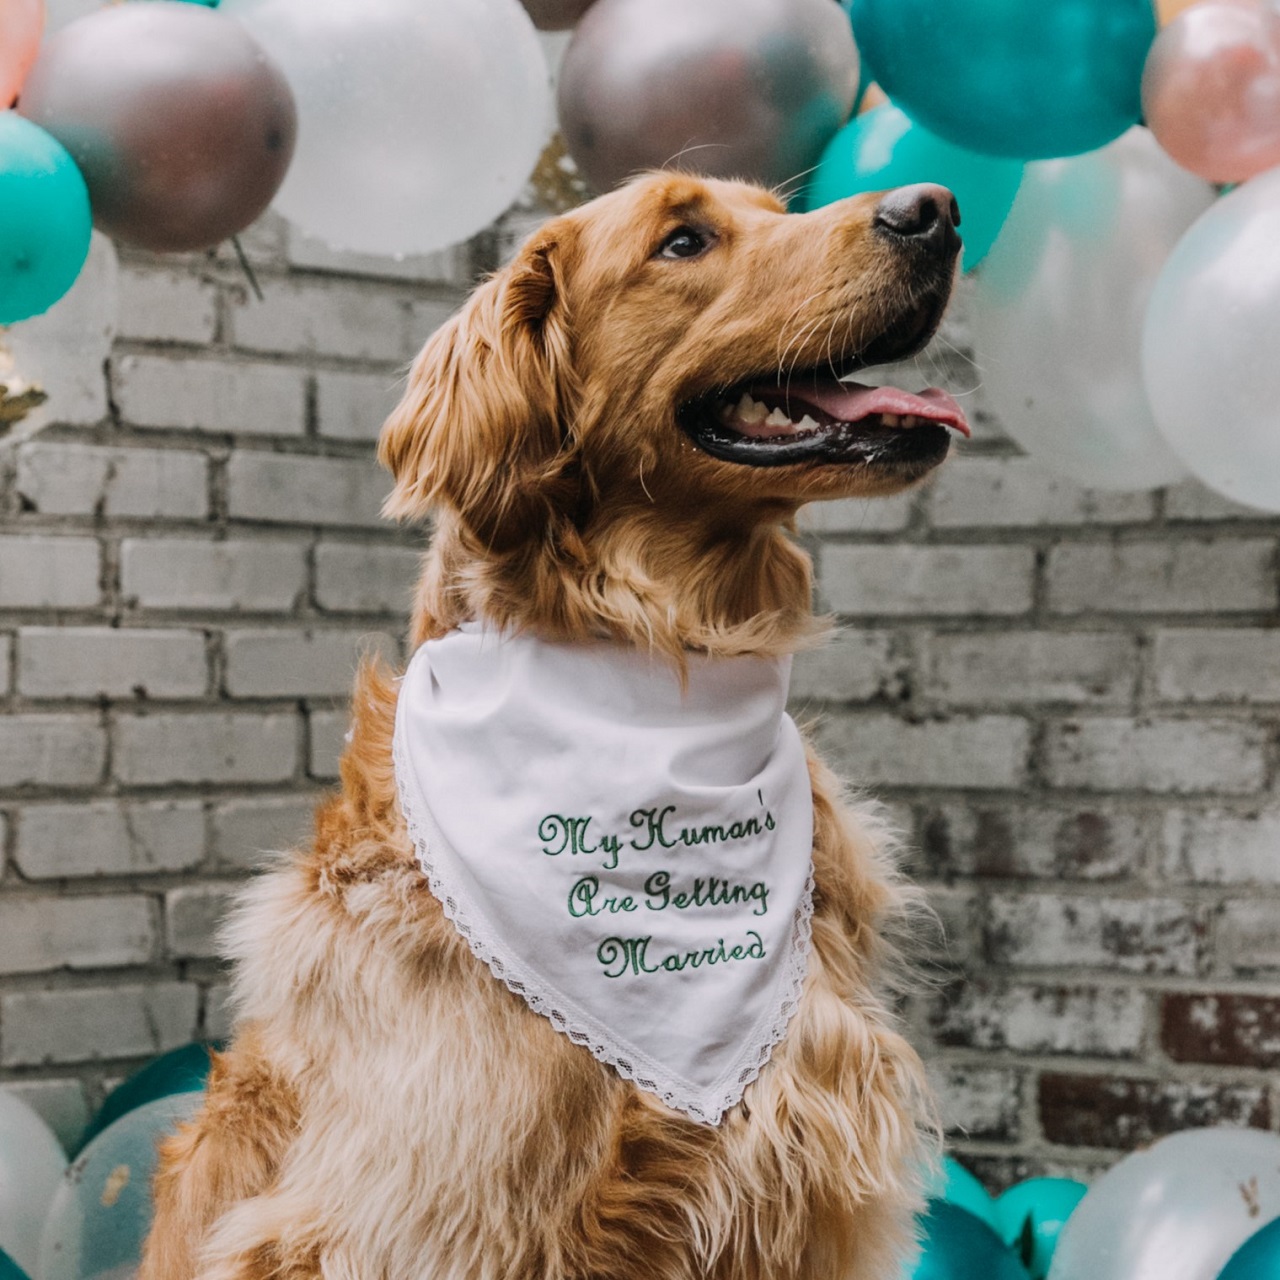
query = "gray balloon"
{"x": 181, "y": 124}
{"x": 730, "y": 88}
{"x": 555, "y": 15}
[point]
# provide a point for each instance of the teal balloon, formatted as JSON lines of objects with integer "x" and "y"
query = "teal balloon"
{"x": 954, "y": 1183}
{"x": 1258, "y": 1258}
{"x": 883, "y": 148}
{"x": 9, "y": 1270}
{"x": 1035, "y": 1211}
{"x": 182, "y": 1070}
{"x": 1031, "y": 79}
{"x": 958, "y": 1246}
{"x": 45, "y": 220}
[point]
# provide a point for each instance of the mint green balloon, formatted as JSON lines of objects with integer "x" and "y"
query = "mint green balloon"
{"x": 45, "y": 222}
{"x": 954, "y": 1183}
{"x": 1258, "y": 1258}
{"x": 882, "y": 148}
{"x": 1037, "y": 1210}
{"x": 1031, "y": 79}
{"x": 958, "y": 1246}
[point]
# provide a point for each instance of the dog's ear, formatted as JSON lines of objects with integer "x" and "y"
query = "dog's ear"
{"x": 481, "y": 425}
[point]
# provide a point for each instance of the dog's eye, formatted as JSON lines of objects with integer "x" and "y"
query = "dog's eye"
{"x": 684, "y": 242}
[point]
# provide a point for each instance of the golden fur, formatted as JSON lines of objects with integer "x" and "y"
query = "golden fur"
{"x": 389, "y": 1111}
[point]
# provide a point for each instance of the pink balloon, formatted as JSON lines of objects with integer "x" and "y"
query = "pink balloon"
{"x": 21, "y": 22}
{"x": 1211, "y": 89}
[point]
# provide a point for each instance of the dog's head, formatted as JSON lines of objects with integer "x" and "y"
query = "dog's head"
{"x": 672, "y": 353}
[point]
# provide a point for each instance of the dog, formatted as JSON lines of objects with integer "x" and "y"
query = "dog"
{"x": 612, "y": 438}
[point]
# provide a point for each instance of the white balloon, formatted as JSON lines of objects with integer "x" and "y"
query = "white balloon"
{"x": 57, "y": 13}
{"x": 1176, "y": 1211}
{"x": 1059, "y": 306}
{"x": 418, "y": 123}
{"x": 1211, "y": 351}
{"x": 31, "y": 1167}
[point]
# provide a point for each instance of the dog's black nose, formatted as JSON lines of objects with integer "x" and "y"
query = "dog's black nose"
{"x": 925, "y": 215}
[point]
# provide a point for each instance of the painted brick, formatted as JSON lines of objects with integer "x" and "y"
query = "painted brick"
{"x": 1219, "y": 665}
{"x": 1026, "y": 842}
{"x": 365, "y": 578}
{"x": 238, "y": 575}
{"x": 45, "y": 932}
{"x": 208, "y": 395}
{"x": 61, "y": 1104}
{"x": 211, "y": 747}
{"x": 192, "y": 915}
{"x": 287, "y": 489}
{"x": 110, "y": 662}
{"x": 426, "y": 315}
{"x": 897, "y": 580}
{"x": 353, "y": 406}
{"x": 326, "y": 319}
{"x": 108, "y": 838}
{"x": 858, "y": 515}
{"x": 6, "y": 662}
{"x": 51, "y": 751}
{"x": 248, "y": 831}
{"x": 1001, "y": 492}
{"x": 1123, "y": 1113}
{"x": 287, "y": 663}
{"x": 1163, "y": 577}
{"x": 166, "y": 306}
{"x": 1221, "y": 1029}
{"x": 1113, "y": 754}
{"x": 1102, "y": 1022}
{"x": 1221, "y": 847}
{"x": 445, "y": 266}
{"x": 874, "y": 749}
{"x": 967, "y": 669}
{"x": 1146, "y": 935}
{"x": 85, "y": 1025}
{"x": 49, "y": 573}
{"x": 84, "y": 479}
{"x": 955, "y": 939}
{"x": 853, "y": 666}
{"x": 1248, "y": 940}
{"x": 1192, "y": 500}
{"x": 328, "y": 741}
{"x": 979, "y": 1102}
{"x": 218, "y": 1013}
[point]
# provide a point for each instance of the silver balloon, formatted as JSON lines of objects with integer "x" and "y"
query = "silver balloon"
{"x": 180, "y": 122}
{"x": 556, "y": 15}
{"x": 1059, "y": 306}
{"x": 1210, "y": 349}
{"x": 1177, "y": 1211}
{"x": 420, "y": 122}
{"x": 731, "y": 88}
{"x": 31, "y": 1168}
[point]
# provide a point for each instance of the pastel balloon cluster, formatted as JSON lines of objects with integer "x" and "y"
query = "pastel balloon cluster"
{"x": 89, "y": 1221}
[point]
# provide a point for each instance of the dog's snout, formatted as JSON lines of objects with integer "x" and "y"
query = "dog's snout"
{"x": 924, "y": 214}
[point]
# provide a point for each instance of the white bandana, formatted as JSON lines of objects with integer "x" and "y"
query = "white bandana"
{"x": 631, "y": 858}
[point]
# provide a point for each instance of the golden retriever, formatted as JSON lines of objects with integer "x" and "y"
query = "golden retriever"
{"x": 591, "y": 436}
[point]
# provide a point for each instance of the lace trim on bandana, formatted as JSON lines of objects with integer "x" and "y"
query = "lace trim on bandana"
{"x": 627, "y": 1061}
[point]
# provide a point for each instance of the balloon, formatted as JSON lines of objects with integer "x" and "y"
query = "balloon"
{"x": 419, "y": 122}
{"x": 181, "y": 123}
{"x": 1058, "y": 310}
{"x": 182, "y": 1070}
{"x": 555, "y": 15}
{"x": 1038, "y": 1208}
{"x": 101, "y": 1212}
{"x": 1258, "y": 1258}
{"x": 1211, "y": 90}
{"x": 882, "y": 148}
{"x": 21, "y": 22}
{"x": 958, "y": 1246}
{"x": 31, "y": 1167}
{"x": 61, "y": 353}
{"x": 731, "y": 88}
{"x": 954, "y": 1183}
{"x": 1209, "y": 348}
{"x": 1033, "y": 80}
{"x": 1176, "y": 1211}
{"x": 44, "y": 219}
{"x": 9, "y": 1270}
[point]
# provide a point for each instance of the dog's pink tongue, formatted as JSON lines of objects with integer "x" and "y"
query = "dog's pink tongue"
{"x": 852, "y": 401}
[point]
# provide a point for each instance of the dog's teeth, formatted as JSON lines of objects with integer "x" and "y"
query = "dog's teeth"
{"x": 778, "y": 419}
{"x": 909, "y": 420}
{"x": 750, "y": 410}
{"x": 807, "y": 424}
{"x": 954, "y": 432}
{"x": 889, "y": 419}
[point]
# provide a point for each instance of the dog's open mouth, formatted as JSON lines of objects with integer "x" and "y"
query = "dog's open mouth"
{"x": 818, "y": 416}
